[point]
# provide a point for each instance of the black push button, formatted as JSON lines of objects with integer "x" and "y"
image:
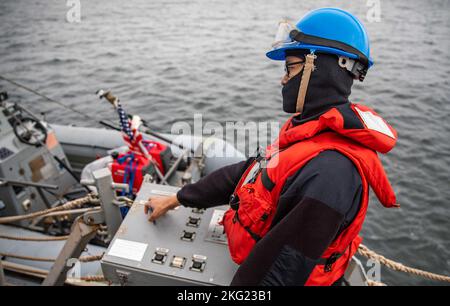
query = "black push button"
{"x": 198, "y": 263}
{"x": 159, "y": 257}
{"x": 188, "y": 236}
{"x": 194, "y": 222}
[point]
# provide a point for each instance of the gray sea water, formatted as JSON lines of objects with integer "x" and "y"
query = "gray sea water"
{"x": 170, "y": 59}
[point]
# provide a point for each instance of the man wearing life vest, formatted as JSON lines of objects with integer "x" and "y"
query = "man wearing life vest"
{"x": 296, "y": 212}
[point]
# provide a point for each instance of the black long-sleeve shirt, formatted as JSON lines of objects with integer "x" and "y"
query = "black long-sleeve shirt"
{"x": 315, "y": 205}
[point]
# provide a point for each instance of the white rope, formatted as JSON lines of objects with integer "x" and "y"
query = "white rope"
{"x": 396, "y": 266}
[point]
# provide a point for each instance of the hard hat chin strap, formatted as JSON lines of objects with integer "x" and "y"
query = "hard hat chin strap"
{"x": 307, "y": 70}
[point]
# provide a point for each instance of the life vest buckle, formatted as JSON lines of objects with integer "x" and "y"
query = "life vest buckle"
{"x": 330, "y": 261}
{"x": 234, "y": 202}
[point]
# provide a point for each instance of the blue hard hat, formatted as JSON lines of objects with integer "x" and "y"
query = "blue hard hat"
{"x": 327, "y": 30}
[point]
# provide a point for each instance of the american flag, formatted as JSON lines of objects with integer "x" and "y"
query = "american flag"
{"x": 131, "y": 135}
{"x": 124, "y": 123}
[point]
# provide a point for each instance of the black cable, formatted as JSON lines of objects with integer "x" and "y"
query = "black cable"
{"x": 47, "y": 98}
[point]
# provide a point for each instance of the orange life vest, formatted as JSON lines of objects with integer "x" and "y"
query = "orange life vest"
{"x": 255, "y": 199}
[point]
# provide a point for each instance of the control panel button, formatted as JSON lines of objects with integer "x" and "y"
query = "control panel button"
{"x": 198, "y": 263}
{"x": 198, "y": 210}
{"x": 193, "y": 222}
{"x": 188, "y": 236}
{"x": 178, "y": 262}
{"x": 160, "y": 256}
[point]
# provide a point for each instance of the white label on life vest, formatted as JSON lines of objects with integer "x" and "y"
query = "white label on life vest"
{"x": 128, "y": 249}
{"x": 374, "y": 122}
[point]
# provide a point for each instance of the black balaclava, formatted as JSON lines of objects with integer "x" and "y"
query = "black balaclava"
{"x": 329, "y": 85}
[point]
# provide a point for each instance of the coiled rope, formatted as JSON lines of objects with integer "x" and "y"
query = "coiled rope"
{"x": 43, "y": 273}
{"x": 23, "y": 238}
{"x": 372, "y": 283}
{"x": 396, "y": 266}
{"x": 94, "y": 278}
{"x": 88, "y": 258}
{"x": 91, "y": 258}
{"x": 69, "y": 205}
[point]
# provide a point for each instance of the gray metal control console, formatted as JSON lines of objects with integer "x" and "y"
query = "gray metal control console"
{"x": 21, "y": 162}
{"x": 185, "y": 247}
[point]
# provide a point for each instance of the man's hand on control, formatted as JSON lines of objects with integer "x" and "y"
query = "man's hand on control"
{"x": 159, "y": 206}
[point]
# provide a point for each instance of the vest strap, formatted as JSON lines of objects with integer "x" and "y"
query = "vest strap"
{"x": 252, "y": 234}
{"x": 266, "y": 181}
{"x": 329, "y": 261}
